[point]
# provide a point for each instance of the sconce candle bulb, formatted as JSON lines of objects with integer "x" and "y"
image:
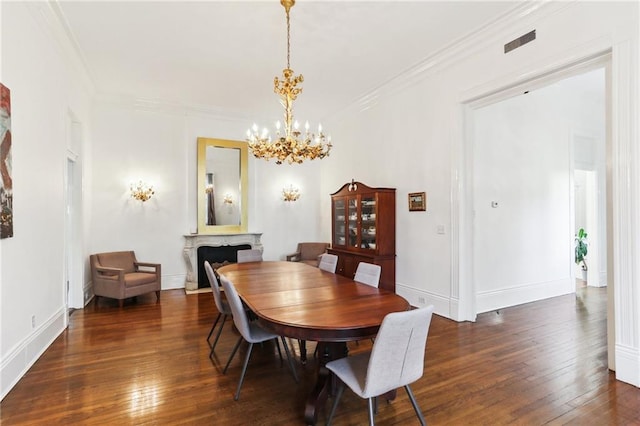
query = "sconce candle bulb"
{"x": 141, "y": 191}
{"x": 290, "y": 193}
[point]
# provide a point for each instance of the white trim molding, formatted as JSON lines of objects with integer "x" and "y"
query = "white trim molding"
{"x": 421, "y": 298}
{"x": 18, "y": 360}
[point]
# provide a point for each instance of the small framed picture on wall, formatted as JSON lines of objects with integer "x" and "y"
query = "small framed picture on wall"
{"x": 417, "y": 201}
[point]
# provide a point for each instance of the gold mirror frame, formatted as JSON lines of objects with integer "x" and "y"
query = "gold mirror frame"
{"x": 203, "y": 228}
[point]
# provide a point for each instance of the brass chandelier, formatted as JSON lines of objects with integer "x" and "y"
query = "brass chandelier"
{"x": 292, "y": 144}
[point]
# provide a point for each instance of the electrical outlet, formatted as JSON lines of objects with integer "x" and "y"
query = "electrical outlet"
{"x": 421, "y": 300}
{"x": 33, "y": 321}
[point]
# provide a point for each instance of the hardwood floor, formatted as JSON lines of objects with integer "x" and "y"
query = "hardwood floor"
{"x": 540, "y": 363}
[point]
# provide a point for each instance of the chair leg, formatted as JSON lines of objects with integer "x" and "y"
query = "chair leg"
{"x": 215, "y": 342}
{"x": 244, "y": 370}
{"x": 415, "y": 405}
{"x": 233, "y": 353}
{"x": 279, "y": 352}
{"x": 371, "y": 414}
{"x": 303, "y": 351}
{"x": 158, "y": 295}
{"x": 335, "y": 402}
{"x": 121, "y": 303}
{"x": 290, "y": 359}
{"x": 213, "y": 327}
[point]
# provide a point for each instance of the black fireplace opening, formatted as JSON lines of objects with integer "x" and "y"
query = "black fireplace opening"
{"x": 213, "y": 255}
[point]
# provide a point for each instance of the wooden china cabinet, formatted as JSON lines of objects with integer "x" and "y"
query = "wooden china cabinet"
{"x": 364, "y": 230}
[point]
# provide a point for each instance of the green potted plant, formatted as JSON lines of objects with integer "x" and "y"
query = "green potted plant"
{"x": 581, "y": 249}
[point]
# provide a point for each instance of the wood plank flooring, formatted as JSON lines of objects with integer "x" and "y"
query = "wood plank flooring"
{"x": 534, "y": 364}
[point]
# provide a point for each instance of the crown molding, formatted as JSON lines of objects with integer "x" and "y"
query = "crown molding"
{"x": 173, "y": 107}
{"x": 494, "y": 31}
{"x": 50, "y": 18}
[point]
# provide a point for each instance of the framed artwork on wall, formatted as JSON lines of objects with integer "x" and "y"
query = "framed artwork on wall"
{"x": 417, "y": 201}
{"x": 6, "y": 181}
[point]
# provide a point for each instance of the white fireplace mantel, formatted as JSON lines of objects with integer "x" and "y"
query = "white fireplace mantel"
{"x": 195, "y": 241}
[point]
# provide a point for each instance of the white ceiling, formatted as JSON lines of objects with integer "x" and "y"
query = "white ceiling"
{"x": 225, "y": 54}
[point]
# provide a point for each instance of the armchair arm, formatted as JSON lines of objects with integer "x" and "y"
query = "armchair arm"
{"x": 155, "y": 266}
{"x": 294, "y": 257}
{"x": 110, "y": 273}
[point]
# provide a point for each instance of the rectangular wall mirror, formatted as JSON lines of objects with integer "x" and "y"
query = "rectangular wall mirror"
{"x": 222, "y": 186}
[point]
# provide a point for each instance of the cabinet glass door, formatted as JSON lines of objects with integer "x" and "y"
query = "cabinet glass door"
{"x": 352, "y": 221}
{"x": 339, "y": 219}
{"x": 368, "y": 222}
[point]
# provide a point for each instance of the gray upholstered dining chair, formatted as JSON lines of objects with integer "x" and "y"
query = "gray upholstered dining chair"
{"x": 250, "y": 255}
{"x": 396, "y": 360}
{"x": 328, "y": 262}
{"x": 249, "y": 331}
{"x": 368, "y": 273}
{"x": 222, "y": 306}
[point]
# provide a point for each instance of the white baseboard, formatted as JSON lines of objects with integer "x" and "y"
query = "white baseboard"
{"x": 530, "y": 292}
{"x": 628, "y": 365}
{"x": 420, "y": 298}
{"x": 170, "y": 282}
{"x": 87, "y": 292}
{"x": 18, "y": 361}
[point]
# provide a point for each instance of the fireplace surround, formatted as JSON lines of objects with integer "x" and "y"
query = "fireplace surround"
{"x": 194, "y": 241}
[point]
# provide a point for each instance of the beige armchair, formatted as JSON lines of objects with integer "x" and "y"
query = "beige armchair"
{"x": 308, "y": 253}
{"x": 119, "y": 275}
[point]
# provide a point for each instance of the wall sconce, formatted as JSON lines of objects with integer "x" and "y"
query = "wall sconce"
{"x": 141, "y": 191}
{"x": 290, "y": 193}
{"x": 228, "y": 199}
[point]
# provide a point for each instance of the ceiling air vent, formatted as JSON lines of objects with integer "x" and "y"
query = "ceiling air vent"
{"x": 520, "y": 41}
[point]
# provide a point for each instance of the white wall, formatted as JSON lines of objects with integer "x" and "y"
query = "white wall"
{"x": 158, "y": 145}
{"x": 521, "y": 161}
{"x": 418, "y": 122}
{"x": 44, "y": 88}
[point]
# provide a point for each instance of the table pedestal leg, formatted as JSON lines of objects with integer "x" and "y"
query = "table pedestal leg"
{"x": 327, "y": 351}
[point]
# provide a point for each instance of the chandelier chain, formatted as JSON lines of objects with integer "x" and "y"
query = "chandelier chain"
{"x": 288, "y": 41}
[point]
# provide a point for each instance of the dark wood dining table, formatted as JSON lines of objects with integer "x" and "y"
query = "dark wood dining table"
{"x": 303, "y": 302}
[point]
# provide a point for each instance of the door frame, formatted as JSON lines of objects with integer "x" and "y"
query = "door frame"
{"x": 622, "y": 161}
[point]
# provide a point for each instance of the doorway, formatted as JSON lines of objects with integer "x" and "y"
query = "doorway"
{"x": 528, "y": 150}
{"x": 73, "y": 276}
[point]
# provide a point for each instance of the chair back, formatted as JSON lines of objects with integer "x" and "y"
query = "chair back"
{"x": 213, "y": 282}
{"x": 397, "y": 357}
{"x": 237, "y": 310}
{"x": 118, "y": 259}
{"x": 251, "y": 255}
{"x": 311, "y": 251}
{"x": 368, "y": 273}
{"x": 328, "y": 262}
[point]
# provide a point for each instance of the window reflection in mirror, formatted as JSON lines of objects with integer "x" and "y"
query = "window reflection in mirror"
{"x": 222, "y": 186}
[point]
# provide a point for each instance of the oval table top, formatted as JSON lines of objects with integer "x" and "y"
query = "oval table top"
{"x": 303, "y": 302}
